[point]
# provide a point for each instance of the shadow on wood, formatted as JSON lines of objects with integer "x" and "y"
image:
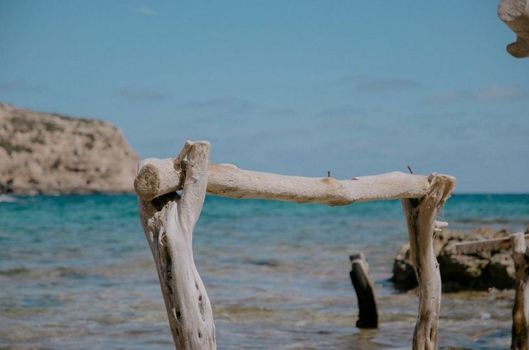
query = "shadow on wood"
{"x": 367, "y": 306}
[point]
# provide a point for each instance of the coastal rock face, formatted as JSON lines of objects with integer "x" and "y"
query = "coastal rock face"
{"x": 476, "y": 271}
{"x": 52, "y": 154}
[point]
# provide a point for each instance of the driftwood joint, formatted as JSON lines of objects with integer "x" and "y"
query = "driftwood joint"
{"x": 169, "y": 218}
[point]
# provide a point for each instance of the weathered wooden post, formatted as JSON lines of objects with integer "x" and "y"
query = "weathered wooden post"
{"x": 168, "y": 222}
{"x": 420, "y": 216}
{"x": 367, "y": 305}
{"x": 515, "y": 13}
{"x": 520, "y": 311}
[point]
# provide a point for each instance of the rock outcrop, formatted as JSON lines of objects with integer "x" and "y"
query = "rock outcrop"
{"x": 54, "y": 154}
{"x": 476, "y": 271}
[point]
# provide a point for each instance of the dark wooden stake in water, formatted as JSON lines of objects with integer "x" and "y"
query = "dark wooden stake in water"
{"x": 367, "y": 306}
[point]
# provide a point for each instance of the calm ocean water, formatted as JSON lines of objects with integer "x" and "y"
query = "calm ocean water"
{"x": 76, "y": 273}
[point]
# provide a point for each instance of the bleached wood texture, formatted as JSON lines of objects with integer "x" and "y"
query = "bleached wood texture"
{"x": 520, "y": 311}
{"x": 472, "y": 247}
{"x": 515, "y": 13}
{"x": 420, "y": 217}
{"x": 168, "y": 222}
{"x": 159, "y": 176}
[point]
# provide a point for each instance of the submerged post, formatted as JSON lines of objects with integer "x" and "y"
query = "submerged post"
{"x": 168, "y": 222}
{"x": 520, "y": 310}
{"x": 367, "y": 305}
{"x": 420, "y": 216}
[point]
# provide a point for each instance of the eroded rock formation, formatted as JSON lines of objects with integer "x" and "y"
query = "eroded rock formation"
{"x": 475, "y": 271}
{"x": 52, "y": 154}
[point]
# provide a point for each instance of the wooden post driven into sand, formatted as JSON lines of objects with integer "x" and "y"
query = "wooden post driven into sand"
{"x": 420, "y": 217}
{"x": 520, "y": 311}
{"x": 168, "y": 220}
{"x": 520, "y": 255}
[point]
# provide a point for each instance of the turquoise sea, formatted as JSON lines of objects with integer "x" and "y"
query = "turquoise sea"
{"x": 76, "y": 273}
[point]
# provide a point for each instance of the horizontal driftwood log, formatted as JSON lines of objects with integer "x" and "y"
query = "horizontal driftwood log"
{"x": 471, "y": 247}
{"x": 157, "y": 177}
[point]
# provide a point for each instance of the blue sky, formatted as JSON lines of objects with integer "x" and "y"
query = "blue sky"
{"x": 294, "y": 87}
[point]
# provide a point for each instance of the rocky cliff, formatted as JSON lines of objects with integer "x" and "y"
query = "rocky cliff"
{"x": 53, "y": 154}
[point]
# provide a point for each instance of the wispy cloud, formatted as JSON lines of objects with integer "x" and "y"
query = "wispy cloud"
{"x": 227, "y": 104}
{"x": 146, "y": 11}
{"x": 280, "y": 112}
{"x": 381, "y": 85}
{"x": 340, "y": 119}
{"x": 377, "y": 85}
{"x": 338, "y": 112}
{"x": 484, "y": 94}
{"x": 16, "y": 86}
{"x": 140, "y": 94}
{"x": 450, "y": 97}
{"x": 502, "y": 93}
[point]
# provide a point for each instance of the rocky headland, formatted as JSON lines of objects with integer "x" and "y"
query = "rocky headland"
{"x": 477, "y": 271}
{"x": 55, "y": 154}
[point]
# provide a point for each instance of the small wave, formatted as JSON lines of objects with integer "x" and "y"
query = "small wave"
{"x": 64, "y": 272}
{"x": 486, "y": 221}
{"x": 263, "y": 262}
{"x": 19, "y": 271}
{"x": 4, "y": 198}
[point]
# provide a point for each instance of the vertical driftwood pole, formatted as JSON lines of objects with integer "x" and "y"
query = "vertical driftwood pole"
{"x": 520, "y": 311}
{"x": 420, "y": 217}
{"x": 367, "y": 306}
{"x": 168, "y": 222}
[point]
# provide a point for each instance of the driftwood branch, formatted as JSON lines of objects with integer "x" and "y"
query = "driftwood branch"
{"x": 515, "y": 13}
{"x": 420, "y": 217}
{"x": 520, "y": 311}
{"x": 157, "y": 177}
{"x": 367, "y": 305}
{"x": 168, "y": 222}
{"x": 472, "y": 247}
{"x": 169, "y": 219}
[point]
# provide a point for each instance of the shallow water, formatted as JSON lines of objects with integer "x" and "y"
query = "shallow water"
{"x": 76, "y": 273}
